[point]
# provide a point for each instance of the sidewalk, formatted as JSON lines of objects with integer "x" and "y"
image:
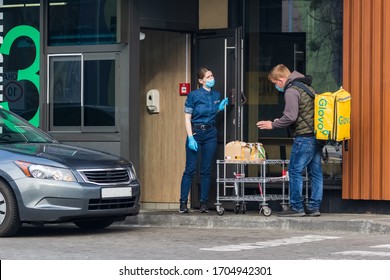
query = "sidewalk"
{"x": 357, "y": 223}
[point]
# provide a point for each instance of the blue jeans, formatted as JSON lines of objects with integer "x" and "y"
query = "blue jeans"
{"x": 207, "y": 145}
{"x": 305, "y": 152}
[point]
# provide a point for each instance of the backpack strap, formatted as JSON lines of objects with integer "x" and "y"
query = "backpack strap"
{"x": 302, "y": 86}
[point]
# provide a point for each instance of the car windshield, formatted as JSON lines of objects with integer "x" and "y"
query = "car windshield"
{"x": 14, "y": 129}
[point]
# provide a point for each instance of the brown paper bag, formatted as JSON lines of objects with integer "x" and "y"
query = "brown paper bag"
{"x": 238, "y": 150}
{"x": 245, "y": 152}
{"x": 233, "y": 150}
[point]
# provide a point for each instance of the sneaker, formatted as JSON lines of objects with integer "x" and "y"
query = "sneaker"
{"x": 203, "y": 207}
{"x": 183, "y": 208}
{"x": 313, "y": 213}
{"x": 291, "y": 213}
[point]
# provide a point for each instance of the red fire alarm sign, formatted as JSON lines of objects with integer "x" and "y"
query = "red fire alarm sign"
{"x": 184, "y": 88}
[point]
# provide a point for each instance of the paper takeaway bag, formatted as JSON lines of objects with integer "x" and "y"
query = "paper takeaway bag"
{"x": 257, "y": 151}
{"x": 236, "y": 150}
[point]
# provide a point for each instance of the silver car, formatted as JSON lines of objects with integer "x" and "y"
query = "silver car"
{"x": 44, "y": 181}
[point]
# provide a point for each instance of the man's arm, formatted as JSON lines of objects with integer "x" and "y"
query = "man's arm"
{"x": 291, "y": 109}
{"x": 290, "y": 113}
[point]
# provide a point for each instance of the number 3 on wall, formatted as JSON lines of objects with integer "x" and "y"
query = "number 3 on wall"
{"x": 30, "y": 73}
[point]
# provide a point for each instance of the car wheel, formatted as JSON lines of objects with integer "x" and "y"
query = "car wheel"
{"x": 9, "y": 214}
{"x": 95, "y": 223}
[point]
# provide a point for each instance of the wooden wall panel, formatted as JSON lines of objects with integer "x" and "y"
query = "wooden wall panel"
{"x": 213, "y": 14}
{"x": 162, "y": 137}
{"x": 385, "y": 120}
{"x": 347, "y": 43}
{"x": 376, "y": 58}
{"x": 365, "y": 74}
{"x": 365, "y": 96}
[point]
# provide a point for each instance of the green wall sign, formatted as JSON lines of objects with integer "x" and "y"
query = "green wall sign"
{"x": 30, "y": 73}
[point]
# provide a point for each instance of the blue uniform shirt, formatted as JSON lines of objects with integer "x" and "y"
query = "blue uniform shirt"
{"x": 202, "y": 105}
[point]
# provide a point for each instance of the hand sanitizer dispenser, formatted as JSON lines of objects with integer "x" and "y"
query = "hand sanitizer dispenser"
{"x": 153, "y": 101}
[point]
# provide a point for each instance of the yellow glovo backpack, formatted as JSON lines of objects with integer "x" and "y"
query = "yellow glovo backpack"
{"x": 332, "y": 115}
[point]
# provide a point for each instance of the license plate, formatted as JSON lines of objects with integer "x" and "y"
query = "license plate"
{"x": 116, "y": 192}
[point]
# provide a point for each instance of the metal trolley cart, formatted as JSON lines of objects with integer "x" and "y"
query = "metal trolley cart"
{"x": 237, "y": 180}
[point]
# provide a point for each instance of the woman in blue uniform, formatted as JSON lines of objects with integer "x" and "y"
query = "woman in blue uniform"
{"x": 201, "y": 107}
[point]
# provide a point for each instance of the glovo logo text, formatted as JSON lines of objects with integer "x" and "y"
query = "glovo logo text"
{"x": 344, "y": 120}
{"x": 322, "y": 103}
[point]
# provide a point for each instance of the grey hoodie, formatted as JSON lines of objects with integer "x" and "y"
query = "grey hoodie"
{"x": 292, "y": 99}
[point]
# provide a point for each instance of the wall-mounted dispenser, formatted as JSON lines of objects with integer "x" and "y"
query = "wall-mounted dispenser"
{"x": 153, "y": 101}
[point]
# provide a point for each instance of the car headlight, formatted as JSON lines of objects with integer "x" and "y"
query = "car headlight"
{"x": 132, "y": 173}
{"x": 40, "y": 171}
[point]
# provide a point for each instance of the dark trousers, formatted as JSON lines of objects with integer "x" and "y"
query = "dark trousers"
{"x": 207, "y": 145}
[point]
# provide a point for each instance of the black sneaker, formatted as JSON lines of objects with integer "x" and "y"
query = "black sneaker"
{"x": 183, "y": 208}
{"x": 291, "y": 213}
{"x": 313, "y": 213}
{"x": 203, "y": 207}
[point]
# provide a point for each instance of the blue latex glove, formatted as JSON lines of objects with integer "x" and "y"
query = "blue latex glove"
{"x": 223, "y": 103}
{"x": 192, "y": 143}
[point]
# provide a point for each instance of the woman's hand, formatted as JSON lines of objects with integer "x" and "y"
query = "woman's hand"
{"x": 223, "y": 103}
{"x": 192, "y": 143}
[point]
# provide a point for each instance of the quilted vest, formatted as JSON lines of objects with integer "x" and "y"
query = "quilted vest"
{"x": 305, "y": 121}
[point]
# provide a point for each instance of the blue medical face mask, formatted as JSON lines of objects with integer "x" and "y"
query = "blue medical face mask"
{"x": 210, "y": 83}
{"x": 279, "y": 88}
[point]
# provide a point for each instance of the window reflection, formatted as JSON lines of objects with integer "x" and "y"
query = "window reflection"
{"x": 65, "y": 81}
{"x": 99, "y": 93}
{"x": 73, "y": 105}
{"x": 81, "y": 22}
{"x": 304, "y": 35}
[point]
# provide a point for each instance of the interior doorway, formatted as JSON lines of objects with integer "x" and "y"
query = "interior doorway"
{"x": 220, "y": 50}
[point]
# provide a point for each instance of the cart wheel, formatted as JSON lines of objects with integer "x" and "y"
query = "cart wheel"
{"x": 243, "y": 208}
{"x": 266, "y": 211}
{"x": 221, "y": 211}
{"x": 285, "y": 207}
{"x": 237, "y": 208}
